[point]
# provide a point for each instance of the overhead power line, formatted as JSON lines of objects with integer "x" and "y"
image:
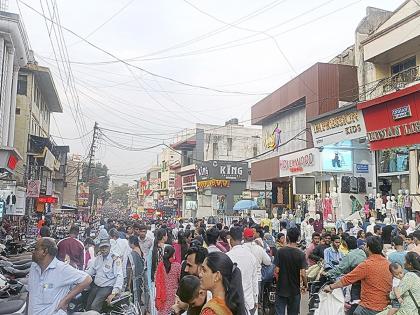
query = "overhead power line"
{"x": 135, "y": 66}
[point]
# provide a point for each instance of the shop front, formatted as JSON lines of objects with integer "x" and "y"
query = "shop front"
{"x": 393, "y": 132}
{"x": 220, "y": 185}
{"x": 189, "y": 193}
{"x": 347, "y": 164}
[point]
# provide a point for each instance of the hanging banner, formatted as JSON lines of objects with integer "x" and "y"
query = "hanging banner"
{"x": 33, "y": 188}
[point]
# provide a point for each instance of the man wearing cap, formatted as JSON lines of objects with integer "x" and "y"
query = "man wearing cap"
{"x": 109, "y": 280}
{"x": 259, "y": 253}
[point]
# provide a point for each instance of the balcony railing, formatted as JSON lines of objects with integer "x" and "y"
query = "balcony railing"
{"x": 391, "y": 84}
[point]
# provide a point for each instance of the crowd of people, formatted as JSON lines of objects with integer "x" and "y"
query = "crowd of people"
{"x": 191, "y": 267}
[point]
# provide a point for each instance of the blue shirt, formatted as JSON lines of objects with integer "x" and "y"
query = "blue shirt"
{"x": 330, "y": 256}
{"x": 397, "y": 257}
{"x": 48, "y": 288}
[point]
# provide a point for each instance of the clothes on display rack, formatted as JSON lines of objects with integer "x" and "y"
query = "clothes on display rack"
{"x": 327, "y": 207}
{"x": 311, "y": 207}
{"x": 408, "y": 207}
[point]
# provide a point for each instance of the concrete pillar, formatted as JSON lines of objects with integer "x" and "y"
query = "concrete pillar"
{"x": 12, "y": 120}
{"x": 414, "y": 179}
{"x": 2, "y": 80}
{"x": 7, "y": 99}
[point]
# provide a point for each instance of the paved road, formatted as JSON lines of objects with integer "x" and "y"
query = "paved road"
{"x": 304, "y": 304}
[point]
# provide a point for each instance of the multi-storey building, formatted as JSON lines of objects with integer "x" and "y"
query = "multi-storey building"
{"x": 43, "y": 162}
{"x": 209, "y": 154}
{"x": 14, "y": 53}
{"x": 388, "y": 58}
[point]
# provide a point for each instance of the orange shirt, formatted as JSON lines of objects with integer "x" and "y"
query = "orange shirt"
{"x": 376, "y": 280}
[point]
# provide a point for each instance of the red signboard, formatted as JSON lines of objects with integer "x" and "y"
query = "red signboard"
{"x": 47, "y": 199}
{"x": 394, "y": 122}
{"x": 11, "y": 163}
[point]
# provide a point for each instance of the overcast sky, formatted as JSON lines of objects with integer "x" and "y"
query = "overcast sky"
{"x": 217, "y": 44}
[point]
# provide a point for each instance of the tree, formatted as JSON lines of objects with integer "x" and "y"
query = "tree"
{"x": 119, "y": 194}
{"x": 98, "y": 181}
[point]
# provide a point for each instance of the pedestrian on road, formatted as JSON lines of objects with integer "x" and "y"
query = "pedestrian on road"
{"x": 52, "y": 284}
{"x": 290, "y": 268}
{"x": 247, "y": 263}
{"x": 222, "y": 278}
{"x": 71, "y": 250}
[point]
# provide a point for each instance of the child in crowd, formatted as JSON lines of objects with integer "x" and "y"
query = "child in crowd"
{"x": 397, "y": 272}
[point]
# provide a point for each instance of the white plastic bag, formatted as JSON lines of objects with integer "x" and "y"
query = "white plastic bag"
{"x": 331, "y": 303}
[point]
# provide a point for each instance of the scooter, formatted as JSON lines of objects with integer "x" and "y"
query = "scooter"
{"x": 121, "y": 304}
{"x": 12, "y": 297}
{"x": 314, "y": 288}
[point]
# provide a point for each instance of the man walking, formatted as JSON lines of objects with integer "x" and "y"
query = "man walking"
{"x": 247, "y": 264}
{"x": 290, "y": 267}
{"x": 50, "y": 280}
{"x": 71, "y": 250}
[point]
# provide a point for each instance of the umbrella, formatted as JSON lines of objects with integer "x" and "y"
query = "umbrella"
{"x": 245, "y": 205}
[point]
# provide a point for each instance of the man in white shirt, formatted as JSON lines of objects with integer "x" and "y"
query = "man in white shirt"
{"x": 52, "y": 284}
{"x": 120, "y": 248}
{"x": 247, "y": 263}
{"x": 259, "y": 253}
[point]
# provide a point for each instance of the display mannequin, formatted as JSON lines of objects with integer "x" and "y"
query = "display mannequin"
{"x": 309, "y": 230}
{"x": 356, "y": 228}
{"x": 400, "y": 205}
{"x": 378, "y": 206}
{"x": 311, "y": 207}
{"x": 275, "y": 223}
{"x": 327, "y": 206}
{"x": 318, "y": 204}
{"x": 372, "y": 205}
{"x": 298, "y": 214}
{"x": 384, "y": 212}
{"x": 408, "y": 206}
{"x": 335, "y": 203}
{"x": 388, "y": 207}
{"x": 304, "y": 204}
{"x": 318, "y": 223}
{"x": 369, "y": 228}
{"x": 393, "y": 209}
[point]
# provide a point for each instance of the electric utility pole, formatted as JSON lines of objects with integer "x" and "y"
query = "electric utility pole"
{"x": 91, "y": 158}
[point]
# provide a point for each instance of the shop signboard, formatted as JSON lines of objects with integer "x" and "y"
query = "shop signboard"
{"x": 220, "y": 183}
{"x": 393, "y": 120}
{"x": 227, "y": 170}
{"x": 337, "y": 160}
{"x": 33, "y": 188}
{"x": 301, "y": 162}
{"x": 49, "y": 190}
{"x": 189, "y": 183}
{"x": 346, "y": 125}
{"x": 178, "y": 187}
{"x": 362, "y": 168}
